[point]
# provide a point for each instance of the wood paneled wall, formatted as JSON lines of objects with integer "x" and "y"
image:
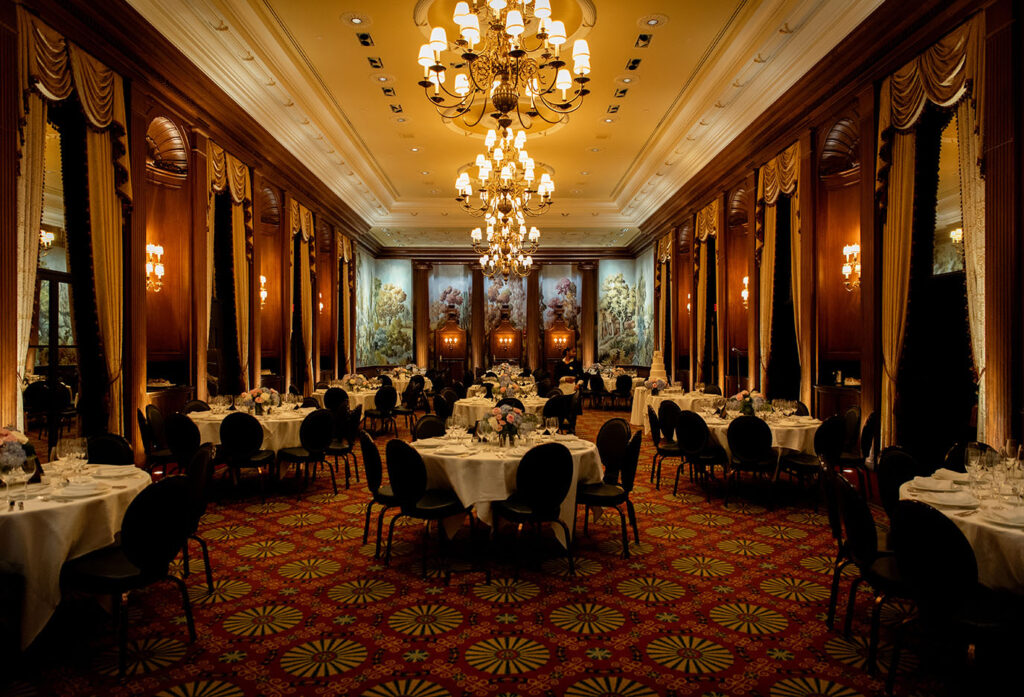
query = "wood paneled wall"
{"x": 838, "y": 310}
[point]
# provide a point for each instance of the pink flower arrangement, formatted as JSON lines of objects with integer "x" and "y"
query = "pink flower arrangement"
{"x": 9, "y": 435}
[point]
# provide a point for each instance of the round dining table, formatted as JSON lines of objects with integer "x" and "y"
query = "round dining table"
{"x": 472, "y": 409}
{"x": 400, "y": 383}
{"x": 794, "y": 432}
{"x": 57, "y": 525}
{"x": 482, "y": 473}
{"x": 280, "y": 427}
{"x": 688, "y": 401}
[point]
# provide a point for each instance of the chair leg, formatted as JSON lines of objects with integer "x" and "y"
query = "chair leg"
{"x": 348, "y": 471}
{"x": 391, "y": 534}
{"x": 366, "y": 525}
{"x": 334, "y": 481}
{"x": 586, "y": 519}
{"x": 876, "y": 620}
{"x": 632, "y": 519}
{"x": 426, "y": 543}
{"x": 206, "y": 561}
{"x": 121, "y": 623}
{"x": 568, "y": 547}
{"x": 184, "y": 560}
{"x": 187, "y": 605}
{"x": 848, "y": 627}
{"x": 654, "y": 463}
{"x": 833, "y": 599}
{"x": 897, "y": 647}
{"x": 625, "y": 533}
{"x": 380, "y": 532}
{"x": 675, "y": 486}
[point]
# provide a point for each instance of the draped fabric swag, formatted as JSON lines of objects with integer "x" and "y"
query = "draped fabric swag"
{"x": 302, "y": 224}
{"x": 948, "y": 74}
{"x": 50, "y": 68}
{"x": 707, "y": 226}
{"x": 780, "y": 175}
{"x": 227, "y": 172}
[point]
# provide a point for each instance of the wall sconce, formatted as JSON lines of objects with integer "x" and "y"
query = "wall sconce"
{"x": 154, "y": 267}
{"x": 957, "y": 236}
{"x": 263, "y": 290}
{"x": 46, "y": 239}
{"x": 321, "y": 296}
{"x": 851, "y": 267}
{"x": 687, "y": 303}
{"x": 505, "y": 342}
{"x": 450, "y": 342}
{"x": 745, "y": 293}
{"x": 560, "y": 341}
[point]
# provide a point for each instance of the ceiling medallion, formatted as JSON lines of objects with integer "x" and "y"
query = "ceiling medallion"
{"x": 500, "y": 64}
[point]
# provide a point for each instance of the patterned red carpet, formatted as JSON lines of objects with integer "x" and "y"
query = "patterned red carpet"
{"x": 716, "y": 601}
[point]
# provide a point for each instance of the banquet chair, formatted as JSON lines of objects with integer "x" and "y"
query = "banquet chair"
{"x": 956, "y": 456}
{"x": 801, "y": 409}
{"x": 442, "y": 407}
{"x": 612, "y": 441}
{"x": 895, "y": 467}
{"x": 293, "y": 390}
{"x": 241, "y": 436}
{"x": 36, "y": 400}
{"x": 343, "y": 442}
{"x": 543, "y": 479}
{"x": 599, "y": 394}
{"x": 868, "y": 455}
{"x": 309, "y": 403}
{"x": 109, "y": 449}
{"x": 183, "y": 438}
{"x": 408, "y": 477}
{"x": 828, "y": 447}
{"x": 459, "y": 388}
{"x": 490, "y": 374}
{"x": 335, "y": 398}
{"x": 543, "y": 387}
{"x": 321, "y": 386}
{"x": 713, "y": 389}
{"x": 420, "y": 382}
{"x": 489, "y": 390}
{"x": 877, "y": 568}
{"x": 315, "y": 434}
{"x": 554, "y": 408}
{"x": 410, "y": 401}
{"x": 623, "y": 390}
{"x": 451, "y": 395}
{"x": 941, "y": 570}
{"x": 380, "y": 493}
{"x": 698, "y": 449}
{"x": 526, "y": 373}
{"x": 155, "y": 418}
{"x": 662, "y": 449}
{"x": 199, "y": 473}
{"x": 154, "y": 529}
{"x": 830, "y": 490}
{"x": 429, "y": 426}
{"x": 383, "y": 411}
{"x": 614, "y": 490}
{"x": 668, "y": 414}
{"x": 512, "y": 402}
{"x": 554, "y": 392}
{"x": 750, "y": 440}
{"x": 385, "y": 380}
{"x": 154, "y": 455}
{"x": 572, "y": 410}
{"x": 195, "y": 405}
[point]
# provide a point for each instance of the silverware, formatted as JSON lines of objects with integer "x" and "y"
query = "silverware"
{"x": 967, "y": 514}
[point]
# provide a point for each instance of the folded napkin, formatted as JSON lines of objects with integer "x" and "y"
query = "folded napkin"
{"x": 949, "y": 498}
{"x": 943, "y": 473}
{"x": 453, "y": 450}
{"x": 932, "y": 484}
{"x": 1009, "y": 515}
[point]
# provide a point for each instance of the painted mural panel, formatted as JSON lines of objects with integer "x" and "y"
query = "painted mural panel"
{"x": 645, "y": 307}
{"x": 383, "y": 311}
{"x": 450, "y": 284}
{"x": 625, "y": 310}
{"x": 560, "y": 287}
{"x": 511, "y": 291}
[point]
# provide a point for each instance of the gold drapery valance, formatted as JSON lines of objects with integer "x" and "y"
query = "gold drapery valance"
{"x": 707, "y": 221}
{"x": 301, "y": 220}
{"x": 228, "y": 172}
{"x": 663, "y": 250}
{"x": 780, "y": 175}
{"x": 56, "y": 69}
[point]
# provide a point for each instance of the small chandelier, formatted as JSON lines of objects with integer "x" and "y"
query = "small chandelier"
{"x": 851, "y": 267}
{"x": 507, "y": 250}
{"x": 745, "y": 293}
{"x": 956, "y": 236}
{"x": 263, "y": 290}
{"x": 503, "y": 64}
{"x": 46, "y": 239}
{"x": 154, "y": 267}
{"x": 505, "y": 181}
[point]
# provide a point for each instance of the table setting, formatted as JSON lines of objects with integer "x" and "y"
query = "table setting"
{"x": 280, "y": 426}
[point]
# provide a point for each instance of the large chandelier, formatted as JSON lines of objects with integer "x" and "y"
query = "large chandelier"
{"x": 507, "y": 249}
{"x": 505, "y": 184}
{"x": 510, "y": 50}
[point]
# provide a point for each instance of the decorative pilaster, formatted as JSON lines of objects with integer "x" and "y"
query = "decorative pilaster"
{"x": 421, "y": 310}
{"x": 722, "y": 289}
{"x": 870, "y": 263}
{"x": 255, "y": 313}
{"x": 588, "y": 305}
{"x": 533, "y": 319}
{"x": 754, "y": 287}
{"x": 478, "y": 299}
{"x": 200, "y": 186}
{"x": 133, "y": 349}
{"x": 808, "y": 191}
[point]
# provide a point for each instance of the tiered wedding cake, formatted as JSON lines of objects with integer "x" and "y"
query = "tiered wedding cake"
{"x": 658, "y": 367}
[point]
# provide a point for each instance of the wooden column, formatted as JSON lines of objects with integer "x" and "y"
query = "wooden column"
{"x": 722, "y": 289}
{"x": 683, "y": 279}
{"x": 588, "y": 305}
{"x": 754, "y": 297}
{"x": 133, "y": 349}
{"x": 336, "y": 312}
{"x": 808, "y": 191}
{"x": 255, "y": 315}
{"x": 314, "y": 295}
{"x": 421, "y": 310}
{"x": 1003, "y": 190}
{"x": 287, "y": 286}
{"x": 870, "y": 263}
{"x": 533, "y": 319}
{"x": 10, "y": 384}
{"x": 478, "y": 299}
{"x": 200, "y": 310}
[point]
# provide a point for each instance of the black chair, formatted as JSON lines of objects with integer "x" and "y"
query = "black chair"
{"x": 109, "y": 449}
{"x": 662, "y": 449}
{"x": 868, "y": 447}
{"x": 543, "y": 479}
{"x": 320, "y": 386}
{"x": 698, "y": 449}
{"x": 309, "y": 403}
{"x": 713, "y": 389}
{"x": 956, "y": 456}
{"x": 241, "y": 436}
{"x": 410, "y": 401}
{"x": 199, "y": 473}
{"x": 512, "y": 402}
{"x": 750, "y": 440}
{"x": 489, "y": 390}
{"x": 183, "y": 438}
{"x": 828, "y": 447}
{"x": 154, "y": 455}
{"x": 315, "y": 434}
{"x": 876, "y": 567}
{"x": 599, "y": 394}
{"x": 385, "y": 380}
{"x": 154, "y": 529}
{"x": 612, "y": 441}
{"x": 554, "y": 408}
{"x": 543, "y": 387}
{"x": 442, "y": 407}
{"x": 420, "y": 382}
{"x": 668, "y": 415}
{"x": 623, "y": 390}
{"x": 429, "y": 426}
{"x": 939, "y": 566}
{"x": 380, "y": 493}
{"x": 36, "y": 403}
{"x": 335, "y": 398}
{"x": 408, "y": 477}
{"x": 615, "y": 489}
{"x": 490, "y": 374}
{"x": 830, "y": 490}
{"x": 195, "y": 405}
{"x": 572, "y": 410}
{"x": 801, "y": 408}
{"x": 458, "y": 387}
{"x": 450, "y": 394}
{"x": 383, "y": 412}
{"x": 346, "y": 433}
{"x": 895, "y": 466}
{"x": 526, "y": 373}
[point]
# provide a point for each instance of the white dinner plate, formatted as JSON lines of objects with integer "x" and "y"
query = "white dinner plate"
{"x": 951, "y": 499}
{"x": 73, "y": 492}
{"x": 113, "y": 471}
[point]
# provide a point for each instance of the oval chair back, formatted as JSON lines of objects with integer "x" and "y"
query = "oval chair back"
{"x": 419, "y": 381}
{"x": 692, "y": 432}
{"x": 554, "y": 406}
{"x": 352, "y": 427}
{"x": 183, "y": 438}
{"x": 543, "y": 478}
{"x": 155, "y": 417}
{"x": 713, "y": 389}
{"x": 335, "y": 398}
{"x": 652, "y": 419}
{"x": 450, "y": 394}
{"x": 851, "y": 430}
{"x": 668, "y": 414}
{"x": 858, "y": 523}
{"x": 870, "y": 436}
{"x": 750, "y": 439}
{"x": 110, "y": 449}
{"x": 309, "y": 403}
{"x": 458, "y": 387}
{"x": 147, "y": 435}
{"x": 385, "y": 380}
{"x": 630, "y": 461}
{"x": 442, "y": 407}
{"x": 543, "y": 387}
{"x": 385, "y": 399}
{"x": 895, "y": 466}
{"x": 830, "y": 488}
{"x": 429, "y": 426}
{"x": 612, "y": 441}
{"x": 156, "y": 525}
{"x": 195, "y": 405}
{"x": 241, "y": 435}
{"x": 829, "y": 438}
{"x": 623, "y": 384}
{"x": 801, "y": 409}
{"x": 512, "y": 402}
{"x": 371, "y": 462}
{"x": 316, "y": 431}
{"x": 406, "y": 472}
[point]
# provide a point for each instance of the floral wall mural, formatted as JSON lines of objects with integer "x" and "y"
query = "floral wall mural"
{"x": 383, "y": 311}
{"x": 560, "y": 287}
{"x": 625, "y": 310}
{"x": 511, "y": 291}
{"x": 450, "y": 284}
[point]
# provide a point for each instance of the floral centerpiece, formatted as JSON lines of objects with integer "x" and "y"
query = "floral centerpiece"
{"x": 595, "y": 368}
{"x": 260, "y": 398}
{"x": 747, "y": 402}
{"x": 656, "y": 385}
{"x": 511, "y": 389}
{"x": 354, "y": 381}
{"x": 505, "y": 421}
{"x": 617, "y": 371}
{"x": 12, "y": 447}
{"x": 506, "y": 369}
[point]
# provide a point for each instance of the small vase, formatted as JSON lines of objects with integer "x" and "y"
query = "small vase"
{"x": 259, "y": 409}
{"x": 654, "y": 391}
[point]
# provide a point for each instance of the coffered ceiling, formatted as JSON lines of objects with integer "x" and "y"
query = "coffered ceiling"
{"x": 343, "y": 97}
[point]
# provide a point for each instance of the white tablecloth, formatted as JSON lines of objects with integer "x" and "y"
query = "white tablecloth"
{"x": 999, "y": 549}
{"x": 280, "y": 429}
{"x": 487, "y": 474}
{"x": 364, "y": 397}
{"x": 796, "y": 433}
{"x": 689, "y": 401}
{"x": 38, "y": 540}
{"x": 472, "y": 409}
{"x": 401, "y": 383}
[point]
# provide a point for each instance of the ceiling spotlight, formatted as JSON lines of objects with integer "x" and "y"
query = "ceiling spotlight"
{"x": 415, "y": 149}
{"x": 585, "y": 173}
{"x": 424, "y": 172}
{"x": 382, "y": 78}
{"x": 627, "y": 80}
{"x": 653, "y": 22}
{"x": 609, "y": 120}
{"x": 595, "y": 150}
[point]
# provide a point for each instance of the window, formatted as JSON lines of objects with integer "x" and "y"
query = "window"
{"x": 948, "y": 252}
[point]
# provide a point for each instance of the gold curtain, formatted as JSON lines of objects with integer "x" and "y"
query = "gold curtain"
{"x": 946, "y": 73}
{"x": 766, "y": 288}
{"x": 55, "y": 68}
{"x": 707, "y": 226}
{"x": 301, "y": 223}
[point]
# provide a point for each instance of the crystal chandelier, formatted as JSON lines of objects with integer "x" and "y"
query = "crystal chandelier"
{"x": 505, "y": 183}
{"x": 510, "y": 49}
{"x": 507, "y": 249}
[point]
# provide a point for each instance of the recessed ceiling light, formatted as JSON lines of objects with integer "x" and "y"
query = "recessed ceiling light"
{"x": 415, "y": 149}
{"x": 625, "y": 229}
{"x": 585, "y": 173}
{"x": 424, "y": 172}
{"x": 653, "y": 22}
{"x": 595, "y": 150}
{"x": 400, "y": 119}
{"x": 382, "y": 78}
{"x": 609, "y": 120}
{"x": 627, "y": 80}
{"x": 356, "y": 20}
